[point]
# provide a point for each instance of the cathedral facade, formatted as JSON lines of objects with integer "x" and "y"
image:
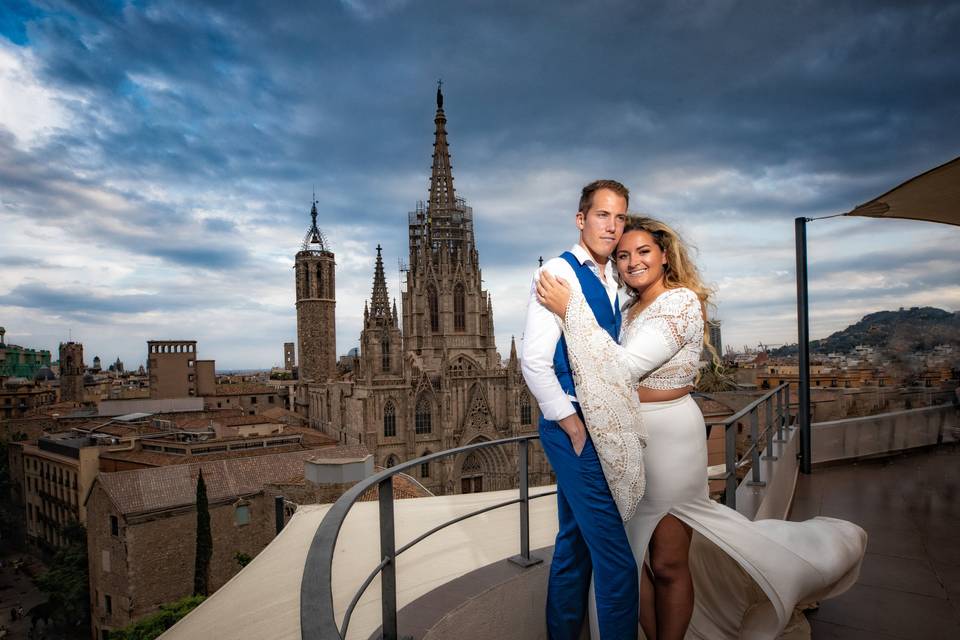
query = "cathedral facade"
{"x": 429, "y": 377}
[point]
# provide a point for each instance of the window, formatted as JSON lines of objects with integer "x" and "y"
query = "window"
{"x": 389, "y": 420}
{"x": 459, "y": 308}
{"x": 114, "y": 526}
{"x": 107, "y": 604}
{"x": 434, "y": 307}
{"x": 385, "y": 353}
{"x": 424, "y": 416}
{"x": 241, "y": 515}
{"x": 526, "y": 415}
{"x": 270, "y": 399}
{"x": 253, "y": 400}
{"x": 391, "y": 462}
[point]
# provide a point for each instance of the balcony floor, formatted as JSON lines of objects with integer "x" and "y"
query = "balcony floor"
{"x": 909, "y": 504}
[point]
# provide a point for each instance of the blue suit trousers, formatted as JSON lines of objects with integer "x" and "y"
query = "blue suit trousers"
{"x": 591, "y": 539}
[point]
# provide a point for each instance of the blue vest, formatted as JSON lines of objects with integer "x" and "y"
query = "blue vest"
{"x": 608, "y": 318}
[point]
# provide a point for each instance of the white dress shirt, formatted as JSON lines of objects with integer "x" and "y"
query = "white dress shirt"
{"x": 542, "y": 331}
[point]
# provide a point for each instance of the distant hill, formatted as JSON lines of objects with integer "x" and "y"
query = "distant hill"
{"x": 903, "y": 331}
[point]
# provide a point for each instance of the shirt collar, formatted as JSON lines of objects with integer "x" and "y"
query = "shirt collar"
{"x": 583, "y": 256}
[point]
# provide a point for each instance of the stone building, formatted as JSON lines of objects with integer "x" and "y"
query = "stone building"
{"x": 20, "y": 397}
{"x": 289, "y": 356}
{"x": 49, "y": 480}
{"x": 429, "y": 377}
{"x": 72, "y": 371}
{"x": 141, "y": 527}
{"x": 175, "y": 371}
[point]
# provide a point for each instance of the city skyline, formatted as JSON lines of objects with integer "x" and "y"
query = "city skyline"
{"x": 157, "y": 161}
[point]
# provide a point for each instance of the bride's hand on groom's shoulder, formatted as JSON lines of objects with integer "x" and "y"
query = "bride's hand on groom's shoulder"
{"x": 553, "y": 292}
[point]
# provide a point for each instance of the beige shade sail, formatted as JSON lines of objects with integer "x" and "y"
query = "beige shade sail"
{"x": 933, "y": 196}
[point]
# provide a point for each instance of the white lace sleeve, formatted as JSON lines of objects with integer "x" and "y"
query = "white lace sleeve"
{"x": 606, "y": 383}
{"x": 677, "y": 317}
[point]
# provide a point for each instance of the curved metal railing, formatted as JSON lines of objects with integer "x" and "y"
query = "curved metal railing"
{"x": 317, "y": 618}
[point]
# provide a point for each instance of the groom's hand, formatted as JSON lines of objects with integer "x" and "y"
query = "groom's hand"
{"x": 572, "y": 425}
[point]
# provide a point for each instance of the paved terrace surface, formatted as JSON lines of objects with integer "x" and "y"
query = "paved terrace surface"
{"x": 909, "y": 586}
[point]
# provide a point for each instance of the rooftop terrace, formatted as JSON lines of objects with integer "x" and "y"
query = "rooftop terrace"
{"x": 909, "y": 584}
{"x": 894, "y": 474}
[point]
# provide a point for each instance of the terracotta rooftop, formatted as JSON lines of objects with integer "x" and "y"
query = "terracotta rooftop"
{"x": 160, "y": 459}
{"x": 146, "y": 490}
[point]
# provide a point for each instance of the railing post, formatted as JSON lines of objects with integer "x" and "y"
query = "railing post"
{"x": 769, "y": 430}
{"x": 730, "y": 454}
{"x": 781, "y": 420}
{"x": 755, "y": 450}
{"x": 524, "y": 559}
{"x": 388, "y": 551}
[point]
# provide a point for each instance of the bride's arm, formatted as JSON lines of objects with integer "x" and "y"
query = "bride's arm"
{"x": 646, "y": 349}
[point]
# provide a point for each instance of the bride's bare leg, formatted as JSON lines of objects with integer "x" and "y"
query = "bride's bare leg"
{"x": 648, "y": 605}
{"x": 673, "y": 586}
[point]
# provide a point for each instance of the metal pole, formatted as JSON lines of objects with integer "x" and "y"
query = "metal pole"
{"x": 803, "y": 342}
{"x": 730, "y": 455}
{"x": 388, "y": 551}
{"x": 278, "y": 512}
{"x": 524, "y": 559}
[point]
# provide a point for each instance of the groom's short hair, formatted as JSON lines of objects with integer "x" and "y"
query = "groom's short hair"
{"x": 586, "y": 196}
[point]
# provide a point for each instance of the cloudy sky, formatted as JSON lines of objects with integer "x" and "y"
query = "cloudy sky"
{"x": 157, "y": 159}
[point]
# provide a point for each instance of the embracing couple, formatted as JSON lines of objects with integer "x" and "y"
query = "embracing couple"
{"x": 611, "y": 349}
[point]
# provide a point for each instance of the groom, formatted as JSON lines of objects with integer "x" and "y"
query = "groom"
{"x": 591, "y": 536}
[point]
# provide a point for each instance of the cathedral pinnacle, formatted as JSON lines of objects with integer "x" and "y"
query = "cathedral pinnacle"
{"x": 380, "y": 301}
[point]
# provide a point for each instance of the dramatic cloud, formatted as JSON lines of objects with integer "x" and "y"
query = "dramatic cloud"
{"x": 158, "y": 159}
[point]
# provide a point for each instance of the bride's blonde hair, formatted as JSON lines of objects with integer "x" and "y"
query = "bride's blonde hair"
{"x": 680, "y": 270}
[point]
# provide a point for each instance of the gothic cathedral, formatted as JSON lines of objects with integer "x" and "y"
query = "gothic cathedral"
{"x": 427, "y": 379}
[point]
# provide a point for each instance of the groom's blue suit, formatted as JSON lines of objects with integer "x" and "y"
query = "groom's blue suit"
{"x": 591, "y": 537}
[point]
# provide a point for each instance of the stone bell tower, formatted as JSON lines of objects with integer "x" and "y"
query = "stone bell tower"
{"x": 316, "y": 303}
{"x": 72, "y": 371}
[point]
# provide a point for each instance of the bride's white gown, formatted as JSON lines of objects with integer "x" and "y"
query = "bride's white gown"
{"x": 750, "y": 577}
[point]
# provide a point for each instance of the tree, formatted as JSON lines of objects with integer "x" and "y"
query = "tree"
{"x": 66, "y": 583}
{"x": 714, "y": 378}
{"x": 201, "y": 575}
{"x": 155, "y": 624}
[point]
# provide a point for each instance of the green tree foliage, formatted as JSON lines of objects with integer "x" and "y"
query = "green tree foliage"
{"x": 714, "y": 378}
{"x": 155, "y": 624}
{"x": 201, "y": 575}
{"x": 243, "y": 559}
{"x": 66, "y": 583}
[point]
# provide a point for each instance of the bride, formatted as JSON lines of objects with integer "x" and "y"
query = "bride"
{"x": 706, "y": 570}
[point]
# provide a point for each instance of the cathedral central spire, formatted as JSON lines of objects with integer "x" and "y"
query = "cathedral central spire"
{"x": 442, "y": 195}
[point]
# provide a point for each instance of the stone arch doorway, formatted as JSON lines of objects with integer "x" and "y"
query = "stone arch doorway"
{"x": 485, "y": 470}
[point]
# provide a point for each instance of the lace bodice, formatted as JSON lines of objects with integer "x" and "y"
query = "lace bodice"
{"x": 607, "y": 374}
{"x": 676, "y": 314}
